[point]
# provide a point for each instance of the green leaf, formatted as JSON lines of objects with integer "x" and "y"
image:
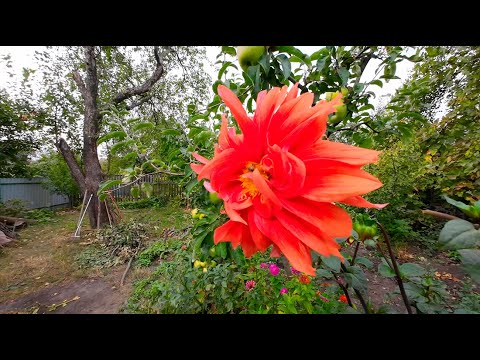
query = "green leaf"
{"x": 411, "y": 270}
{"x": 224, "y": 67}
{"x": 321, "y": 64}
{"x": 286, "y": 66}
{"x": 332, "y": 262}
{"x": 237, "y": 255}
{"x": 130, "y": 156}
{"x": 135, "y": 191}
{"x": 230, "y": 50}
{"x": 324, "y": 273}
{"x": 112, "y": 135}
{"x": 171, "y": 132}
{"x": 366, "y": 107}
{"x": 190, "y": 185}
{"x": 457, "y": 204}
{"x": 459, "y": 234}
{"x": 411, "y": 114}
{"x": 147, "y": 189}
{"x": 355, "y": 277}
{"x": 202, "y": 137}
{"x": 142, "y": 126}
{"x": 471, "y": 262}
{"x": 344, "y": 74}
{"x": 221, "y": 249}
{"x": 364, "y": 261}
{"x": 385, "y": 270}
{"x": 377, "y": 82}
{"x": 291, "y": 50}
{"x": 107, "y": 185}
{"x": 265, "y": 62}
{"x": 121, "y": 145}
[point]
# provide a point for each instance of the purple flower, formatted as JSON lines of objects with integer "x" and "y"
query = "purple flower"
{"x": 274, "y": 269}
{"x": 263, "y": 266}
{"x": 283, "y": 291}
{"x": 250, "y": 284}
{"x": 294, "y": 271}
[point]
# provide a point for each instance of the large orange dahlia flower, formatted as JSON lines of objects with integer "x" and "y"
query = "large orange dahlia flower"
{"x": 279, "y": 180}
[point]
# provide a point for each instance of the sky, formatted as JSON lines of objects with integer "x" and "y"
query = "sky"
{"x": 22, "y": 56}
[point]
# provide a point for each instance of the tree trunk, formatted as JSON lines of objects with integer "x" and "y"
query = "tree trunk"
{"x": 90, "y": 179}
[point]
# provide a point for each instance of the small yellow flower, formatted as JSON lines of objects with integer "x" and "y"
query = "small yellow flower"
{"x": 194, "y": 213}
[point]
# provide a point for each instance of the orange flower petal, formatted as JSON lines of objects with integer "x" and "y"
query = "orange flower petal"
{"x": 312, "y": 237}
{"x": 331, "y": 219}
{"x": 260, "y": 240}
{"x": 200, "y": 158}
{"x": 353, "y": 155}
{"x": 296, "y": 253}
{"x": 230, "y": 231}
{"x": 236, "y": 107}
{"x": 361, "y": 202}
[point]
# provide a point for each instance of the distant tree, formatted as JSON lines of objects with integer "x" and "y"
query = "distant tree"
{"x": 89, "y": 82}
{"x": 16, "y": 137}
{"x": 59, "y": 179}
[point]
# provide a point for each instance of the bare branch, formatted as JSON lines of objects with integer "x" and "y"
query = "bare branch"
{"x": 139, "y": 102}
{"x": 148, "y": 84}
{"x": 141, "y": 177}
{"x": 75, "y": 169}
{"x": 81, "y": 85}
{"x": 302, "y": 87}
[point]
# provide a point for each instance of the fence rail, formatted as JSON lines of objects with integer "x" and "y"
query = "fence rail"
{"x": 162, "y": 186}
{"x": 32, "y": 192}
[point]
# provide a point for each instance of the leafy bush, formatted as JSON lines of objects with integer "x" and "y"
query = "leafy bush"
{"x": 40, "y": 215}
{"x": 158, "y": 250}
{"x": 12, "y": 207}
{"x": 227, "y": 287}
{"x": 152, "y": 202}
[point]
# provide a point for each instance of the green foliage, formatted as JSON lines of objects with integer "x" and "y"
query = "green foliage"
{"x": 16, "y": 208}
{"x": 427, "y": 294}
{"x": 152, "y": 202}
{"x": 93, "y": 257}
{"x": 158, "y": 250}
{"x": 127, "y": 233}
{"x": 40, "y": 215}
{"x": 55, "y": 169}
{"x": 462, "y": 236}
{"x": 17, "y": 140}
{"x": 177, "y": 287}
{"x": 13, "y": 207}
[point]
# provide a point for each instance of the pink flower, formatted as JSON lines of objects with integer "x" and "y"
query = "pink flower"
{"x": 294, "y": 271}
{"x": 283, "y": 291}
{"x": 274, "y": 269}
{"x": 263, "y": 266}
{"x": 250, "y": 284}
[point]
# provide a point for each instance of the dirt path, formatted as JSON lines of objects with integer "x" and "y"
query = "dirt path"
{"x": 97, "y": 295}
{"x": 39, "y": 274}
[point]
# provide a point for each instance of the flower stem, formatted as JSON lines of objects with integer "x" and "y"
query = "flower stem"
{"x": 354, "y": 254}
{"x": 345, "y": 291}
{"x": 386, "y": 237}
{"x": 359, "y": 295}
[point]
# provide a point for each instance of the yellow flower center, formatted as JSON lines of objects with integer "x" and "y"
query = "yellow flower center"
{"x": 249, "y": 188}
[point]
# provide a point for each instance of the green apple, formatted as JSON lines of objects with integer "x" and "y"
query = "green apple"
{"x": 249, "y": 55}
{"x": 339, "y": 114}
{"x": 214, "y": 198}
{"x": 212, "y": 251}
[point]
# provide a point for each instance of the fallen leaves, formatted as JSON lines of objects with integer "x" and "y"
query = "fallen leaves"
{"x": 445, "y": 276}
{"x": 64, "y": 303}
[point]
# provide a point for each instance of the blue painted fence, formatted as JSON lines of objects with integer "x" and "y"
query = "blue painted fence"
{"x": 31, "y": 192}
